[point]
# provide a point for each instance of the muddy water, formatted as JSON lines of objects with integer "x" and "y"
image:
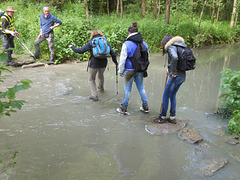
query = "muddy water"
{"x": 61, "y": 134}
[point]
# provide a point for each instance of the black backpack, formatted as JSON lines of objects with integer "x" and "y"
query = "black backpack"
{"x": 140, "y": 60}
{"x": 186, "y": 59}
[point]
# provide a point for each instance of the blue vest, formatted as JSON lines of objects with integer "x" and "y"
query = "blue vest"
{"x": 131, "y": 48}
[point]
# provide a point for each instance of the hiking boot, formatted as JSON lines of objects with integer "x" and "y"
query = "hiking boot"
{"x": 122, "y": 110}
{"x": 94, "y": 98}
{"x": 101, "y": 89}
{"x": 172, "y": 119}
{"x": 34, "y": 57}
{"x": 51, "y": 61}
{"x": 160, "y": 119}
{"x": 144, "y": 109}
{"x": 10, "y": 63}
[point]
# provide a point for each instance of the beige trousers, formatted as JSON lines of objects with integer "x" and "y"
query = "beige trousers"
{"x": 92, "y": 80}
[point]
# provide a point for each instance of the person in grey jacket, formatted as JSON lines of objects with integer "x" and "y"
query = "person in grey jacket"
{"x": 97, "y": 66}
{"x": 176, "y": 78}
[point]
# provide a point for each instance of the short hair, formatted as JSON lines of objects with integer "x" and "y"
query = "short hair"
{"x": 165, "y": 41}
{"x": 95, "y": 32}
{"x": 133, "y": 28}
{"x": 46, "y": 7}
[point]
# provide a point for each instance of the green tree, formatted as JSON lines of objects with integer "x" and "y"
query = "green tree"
{"x": 230, "y": 85}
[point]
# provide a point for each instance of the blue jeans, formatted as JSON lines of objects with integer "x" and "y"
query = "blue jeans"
{"x": 170, "y": 92}
{"x": 138, "y": 78}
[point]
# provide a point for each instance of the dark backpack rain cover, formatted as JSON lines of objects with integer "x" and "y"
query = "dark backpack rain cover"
{"x": 186, "y": 59}
{"x": 140, "y": 61}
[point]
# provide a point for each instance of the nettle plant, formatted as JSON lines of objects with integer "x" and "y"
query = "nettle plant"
{"x": 230, "y": 84}
{"x": 8, "y": 103}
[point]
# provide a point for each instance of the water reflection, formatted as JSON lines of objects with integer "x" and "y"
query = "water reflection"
{"x": 61, "y": 134}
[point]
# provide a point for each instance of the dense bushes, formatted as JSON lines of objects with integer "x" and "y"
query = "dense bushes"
{"x": 231, "y": 99}
{"x": 75, "y": 29}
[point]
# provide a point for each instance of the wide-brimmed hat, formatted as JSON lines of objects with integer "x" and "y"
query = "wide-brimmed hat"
{"x": 10, "y": 9}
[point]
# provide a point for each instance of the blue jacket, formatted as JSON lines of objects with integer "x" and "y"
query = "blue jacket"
{"x": 131, "y": 45}
{"x": 46, "y": 23}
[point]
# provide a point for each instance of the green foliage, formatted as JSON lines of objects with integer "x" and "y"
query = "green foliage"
{"x": 75, "y": 29}
{"x": 9, "y": 157}
{"x": 8, "y": 103}
{"x": 230, "y": 84}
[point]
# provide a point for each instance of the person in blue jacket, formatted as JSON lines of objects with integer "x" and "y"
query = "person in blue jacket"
{"x": 97, "y": 66}
{"x": 127, "y": 71}
{"x": 47, "y": 24}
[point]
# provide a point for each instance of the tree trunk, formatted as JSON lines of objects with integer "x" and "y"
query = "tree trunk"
{"x": 117, "y": 10}
{"x": 155, "y": 9}
{"x": 167, "y": 13}
{"x": 143, "y": 7}
{"x": 159, "y": 9}
{"x": 205, "y": 2}
{"x": 121, "y": 1}
{"x": 108, "y": 11}
{"x": 86, "y": 7}
{"x": 236, "y": 19}
{"x": 214, "y": 9}
{"x": 233, "y": 12}
{"x": 219, "y": 6}
{"x": 192, "y": 11}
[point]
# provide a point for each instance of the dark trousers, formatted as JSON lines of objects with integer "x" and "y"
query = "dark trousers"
{"x": 8, "y": 42}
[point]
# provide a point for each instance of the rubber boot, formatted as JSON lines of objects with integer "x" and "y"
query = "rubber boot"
{"x": 36, "y": 55}
{"x": 51, "y": 61}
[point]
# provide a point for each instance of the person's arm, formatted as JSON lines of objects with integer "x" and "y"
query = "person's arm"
{"x": 172, "y": 52}
{"x": 122, "y": 61}
{"x": 40, "y": 35}
{"x": 113, "y": 54}
{"x": 82, "y": 50}
{"x": 56, "y": 20}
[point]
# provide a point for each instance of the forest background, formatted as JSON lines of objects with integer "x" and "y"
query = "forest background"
{"x": 199, "y": 22}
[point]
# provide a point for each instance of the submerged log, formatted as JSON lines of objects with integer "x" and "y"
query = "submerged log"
{"x": 33, "y": 65}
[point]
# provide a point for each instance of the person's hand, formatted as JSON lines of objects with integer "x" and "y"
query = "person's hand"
{"x": 70, "y": 46}
{"x": 39, "y": 36}
{"x": 174, "y": 75}
{"x": 52, "y": 27}
{"x": 121, "y": 74}
{"x": 12, "y": 33}
{"x": 17, "y": 33}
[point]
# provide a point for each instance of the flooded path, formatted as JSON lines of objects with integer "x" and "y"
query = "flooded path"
{"x": 61, "y": 134}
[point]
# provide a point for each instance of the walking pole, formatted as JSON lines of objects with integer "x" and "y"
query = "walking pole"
{"x": 164, "y": 88}
{"x": 26, "y": 48}
{"x": 117, "y": 79}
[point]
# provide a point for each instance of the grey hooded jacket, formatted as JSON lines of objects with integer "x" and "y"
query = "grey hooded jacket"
{"x": 171, "y": 49}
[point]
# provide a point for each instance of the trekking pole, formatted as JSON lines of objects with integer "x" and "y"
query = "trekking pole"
{"x": 117, "y": 79}
{"x": 26, "y": 48}
{"x": 164, "y": 88}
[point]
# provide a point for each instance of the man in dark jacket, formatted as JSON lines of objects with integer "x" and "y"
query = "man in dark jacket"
{"x": 7, "y": 31}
